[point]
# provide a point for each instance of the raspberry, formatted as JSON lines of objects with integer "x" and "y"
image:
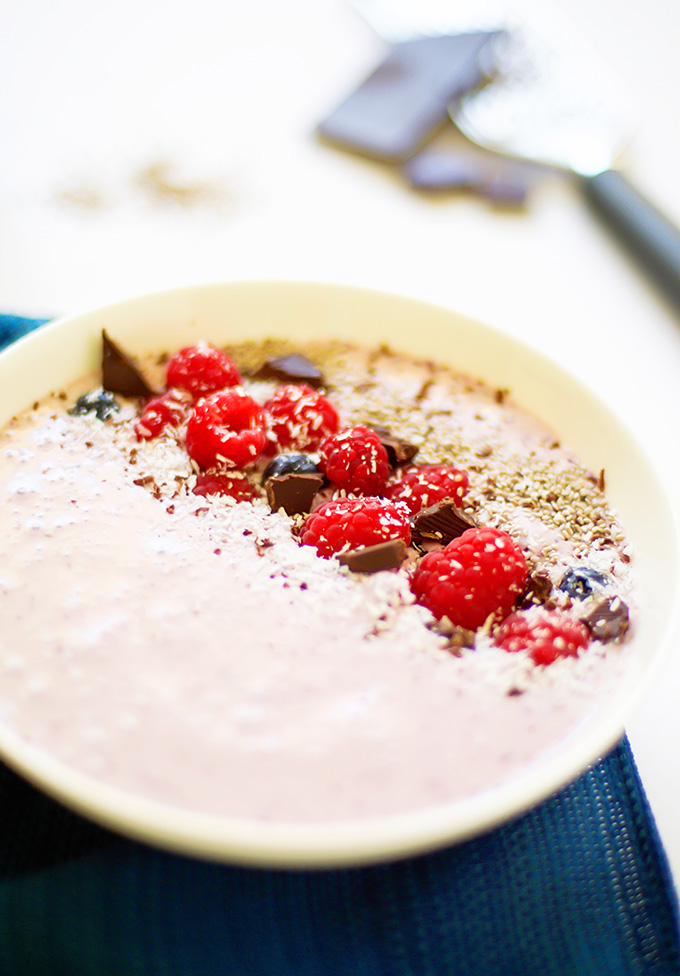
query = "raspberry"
{"x": 479, "y": 574}
{"x": 226, "y": 429}
{"x": 170, "y": 409}
{"x": 545, "y": 634}
{"x": 345, "y": 524}
{"x": 428, "y": 484}
{"x": 299, "y": 417}
{"x": 234, "y": 486}
{"x": 355, "y": 461}
{"x": 201, "y": 369}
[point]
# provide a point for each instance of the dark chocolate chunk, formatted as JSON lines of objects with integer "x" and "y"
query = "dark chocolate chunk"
{"x": 294, "y": 493}
{"x": 609, "y": 620}
{"x": 508, "y": 189}
{"x": 438, "y": 168}
{"x": 406, "y": 98}
{"x": 441, "y": 169}
{"x": 294, "y": 368}
{"x": 399, "y": 451}
{"x": 537, "y": 590}
{"x": 373, "y": 559}
{"x": 120, "y": 374}
{"x": 441, "y": 522}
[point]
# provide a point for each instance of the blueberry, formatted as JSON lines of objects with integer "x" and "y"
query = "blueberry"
{"x": 99, "y": 402}
{"x": 290, "y": 464}
{"x": 582, "y": 582}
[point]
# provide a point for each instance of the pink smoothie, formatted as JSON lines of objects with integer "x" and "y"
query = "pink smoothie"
{"x": 190, "y": 650}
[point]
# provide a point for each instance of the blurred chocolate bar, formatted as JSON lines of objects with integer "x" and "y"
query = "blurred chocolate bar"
{"x": 406, "y": 98}
{"x": 500, "y": 180}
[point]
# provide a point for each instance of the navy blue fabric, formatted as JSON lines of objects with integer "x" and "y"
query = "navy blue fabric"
{"x": 579, "y": 885}
{"x": 13, "y": 327}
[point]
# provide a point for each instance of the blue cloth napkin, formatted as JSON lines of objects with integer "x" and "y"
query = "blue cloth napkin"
{"x": 579, "y": 885}
{"x": 13, "y": 327}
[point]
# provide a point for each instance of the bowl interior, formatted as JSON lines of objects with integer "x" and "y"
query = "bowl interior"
{"x": 66, "y": 349}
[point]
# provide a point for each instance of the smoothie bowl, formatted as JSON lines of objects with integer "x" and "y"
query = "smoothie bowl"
{"x": 303, "y": 574}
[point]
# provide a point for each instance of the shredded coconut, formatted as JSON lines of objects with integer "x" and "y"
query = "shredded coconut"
{"x": 190, "y": 649}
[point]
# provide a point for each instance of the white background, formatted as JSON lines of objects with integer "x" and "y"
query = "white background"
{"x": 222, "y": 100}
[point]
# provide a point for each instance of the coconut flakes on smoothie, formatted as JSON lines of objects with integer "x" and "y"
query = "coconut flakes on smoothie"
{"x": 399, "y": 548}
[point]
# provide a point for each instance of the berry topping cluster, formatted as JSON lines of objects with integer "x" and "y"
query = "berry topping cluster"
{"x": 355, "y": 461}
{"x": 354, "y": 489}
{"x": 479, "y": 575}
{"x": 545, "y": 634}
{"x": 346, "y": 524}
{"x": 170, "y": 409}
{"x": 226, "y": 429}
{"x": 201, "y": 369}
{"x": 234, "y": 485}
{"x": 431, "y": 483}
{"x": 299, "y": 418}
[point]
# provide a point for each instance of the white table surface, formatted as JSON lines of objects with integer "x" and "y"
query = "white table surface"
{"x": 223, "y": 99}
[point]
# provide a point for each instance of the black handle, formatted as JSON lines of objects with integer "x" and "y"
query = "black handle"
{"x": 650, "y": 236}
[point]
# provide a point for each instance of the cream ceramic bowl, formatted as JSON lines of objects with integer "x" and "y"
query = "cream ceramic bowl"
{"x": 68, "y": 348}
